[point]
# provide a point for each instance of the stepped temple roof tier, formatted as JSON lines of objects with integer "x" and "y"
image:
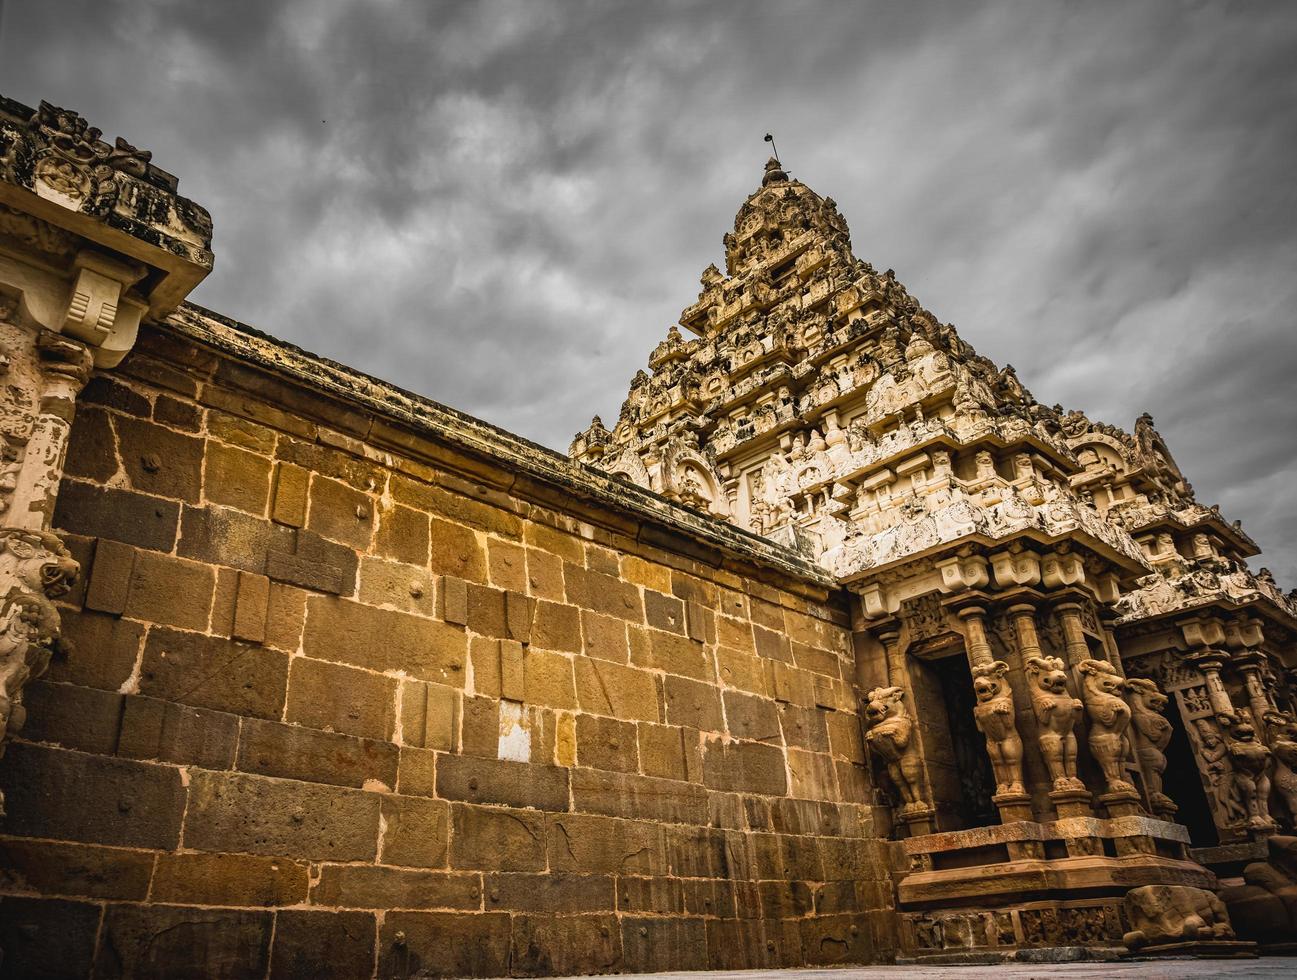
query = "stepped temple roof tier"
{"x": 818, "y": 403}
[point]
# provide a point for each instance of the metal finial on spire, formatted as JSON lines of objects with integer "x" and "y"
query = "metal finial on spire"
{"x": 771, "y": 140}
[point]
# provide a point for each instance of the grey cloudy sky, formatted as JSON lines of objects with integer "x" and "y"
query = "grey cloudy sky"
{"x": 504, "y": 205}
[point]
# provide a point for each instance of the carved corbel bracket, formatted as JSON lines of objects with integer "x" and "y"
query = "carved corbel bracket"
{"x": 958, "y": 574}
{"x": 1060, "y": 571}
{"x": 1204, "y": 632}
{"x": 101, "y": 311}
{"x": 1016, "y": 567}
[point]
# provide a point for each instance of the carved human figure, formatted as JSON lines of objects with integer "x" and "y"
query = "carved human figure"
{"x": 1213, "y": 752}
{"x": 890, "y": 736}
{"x": 1056, "y": 713}
{"x": 1251, "y": 760}
{"x": 1161, "y": 914}
{"x": 1283, "y": 744}
{"x": 994, "y": 714}
{"x": 35, "y": 568}
{"x": 1152, "y": 734}
{"x": 1109, "y": 716}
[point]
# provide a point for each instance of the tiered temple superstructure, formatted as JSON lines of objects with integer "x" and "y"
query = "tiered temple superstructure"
{"x": 1032, "y": 586}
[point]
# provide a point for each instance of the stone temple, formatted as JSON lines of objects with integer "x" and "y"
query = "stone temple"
{"x": 836, "y": 647}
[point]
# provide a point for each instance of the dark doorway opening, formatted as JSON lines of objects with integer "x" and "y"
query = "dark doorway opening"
{"x": 967, "y": 744}
{"x": 1183, "y": 783}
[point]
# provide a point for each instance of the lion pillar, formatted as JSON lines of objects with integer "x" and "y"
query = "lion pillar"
{"x": 93, "y": 240}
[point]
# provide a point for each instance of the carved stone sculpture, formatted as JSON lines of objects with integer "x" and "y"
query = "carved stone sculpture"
{"x": 1283, "y": 744}
{"x": 1056, "y": 712}
{"x": 1109, "y": 716}
{"x": 1264, "y": 907}
{"x": 1152, "y": 734}
{"x": 890, "y": 736}
{"x": 995, "y": 719}
{"x": 1251, "y": 760}
{"x": 1213, "y": 754}
{"x": 1161, "y": 914}
{"x": 35, "y": 568}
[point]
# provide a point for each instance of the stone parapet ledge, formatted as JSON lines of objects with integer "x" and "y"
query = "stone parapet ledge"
{"x": 384, "y": 415}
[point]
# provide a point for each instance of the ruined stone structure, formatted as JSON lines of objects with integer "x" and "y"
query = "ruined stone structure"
{"x": 841, "y": 648}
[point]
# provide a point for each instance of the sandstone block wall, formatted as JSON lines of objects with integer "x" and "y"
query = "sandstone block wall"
{"x": 331, "y": 710}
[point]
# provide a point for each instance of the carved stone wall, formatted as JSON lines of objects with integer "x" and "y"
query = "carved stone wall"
{"x": 340, "y": 679}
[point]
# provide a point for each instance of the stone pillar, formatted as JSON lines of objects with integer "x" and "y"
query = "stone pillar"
{"x": 1057, "y": 714}
{"x": 996, "y": 718}
{"x": 93, "y": 238}
{"x": 1108, "y": 713}
{"x": 892, "y": 736}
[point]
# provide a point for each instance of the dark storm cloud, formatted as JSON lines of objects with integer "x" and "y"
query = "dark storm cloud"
{"x": 503, "y": 206}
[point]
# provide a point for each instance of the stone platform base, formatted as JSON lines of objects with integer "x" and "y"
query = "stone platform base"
{"x": 1216, "y": 950}
{"x": 1044, "y": 954}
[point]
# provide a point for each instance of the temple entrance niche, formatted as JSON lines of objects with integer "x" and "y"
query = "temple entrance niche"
{"x": 958, "y": 766}
{"x": 974, "y": 776}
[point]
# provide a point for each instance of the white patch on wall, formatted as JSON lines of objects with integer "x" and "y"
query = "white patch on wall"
{"x": 515, "y": 735}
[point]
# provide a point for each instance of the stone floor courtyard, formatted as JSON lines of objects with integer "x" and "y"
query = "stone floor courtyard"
{"x": 1269, "y": 968}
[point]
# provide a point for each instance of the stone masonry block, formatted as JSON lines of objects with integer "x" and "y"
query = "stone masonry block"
{"x": 322, "y": 945}
{"x": 228, "y": 879}
{"x": 496, "y": 840}
{"x": 430, "y": 716}
{"x": 289, "y": 505}
{"x": 250, "y": 605}
{"x": 416, "y": 832}
{"x": 343, "y": 699}
{"x": 256, "y": 815}
{"x": 270, "y": 748}
{"x": 55, "y": 793}
{"x": 502, "y": 782}
{"x": 454, "y": 600}
{"x": 110, "y": 577}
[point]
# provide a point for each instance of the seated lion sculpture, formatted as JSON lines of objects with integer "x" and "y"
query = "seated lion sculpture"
{"x": 1161, "y": 914}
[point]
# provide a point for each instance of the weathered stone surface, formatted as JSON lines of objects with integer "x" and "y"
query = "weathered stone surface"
{"x": 73, "y": 717}
{"x": 210, "y": 672}
{"x": 745, "y": 767}
{"x": 621, "y": 794}
{"x": 228, "y": 879}
{"x": 496, "y": 840}
{"x": 170, "y": 732}
{"x": 605, "y": 743}
{"x": 605, "y": 688}
{"x": 132, "y": 518}
{"x": 147, "y": 940}
{"x": 660, "y": 945}
{"x": 328, "y": 945}
{"x": 693, "y": 704}
{"x": 54, "y": 793}
{"x": 44, "y": 938}
{"x": 332, "y": 697}
{"x": 346, "y": 631}
{"x": 516, "y": 784}
{"x": 104, "y": 650}
{"x": 236, "y": 478}
{"x": 80, "y": 870}
{"x": 416, "y": 832}
{"x": 554, "y": 945}
{"x": 273, "y": 749}
{"x": 257, "y": 815}
{"x": 604, "y": 845}
{"x": 444, "y": 944}
{"x": 554, "y": 892}
{"x": 373, "y": 887}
